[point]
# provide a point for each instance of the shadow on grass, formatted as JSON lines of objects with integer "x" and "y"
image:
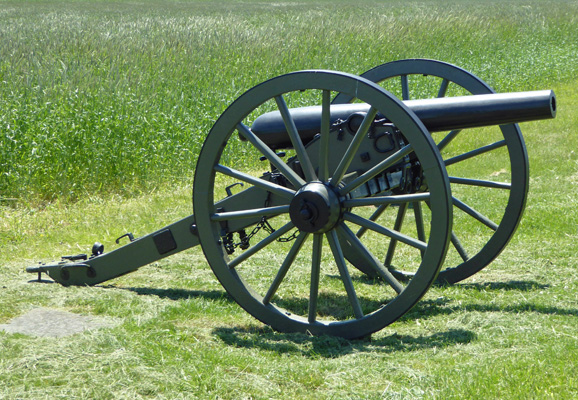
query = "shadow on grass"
{"x": 265, "y": 338}
{"x": 181, "y": 294}
{"x": 522, "y": 286}
{"x": 333, "y": 347}
{"x": 522, "y": 308}
{"x": 337, "y": 305}
{"x": 444, "y": 305}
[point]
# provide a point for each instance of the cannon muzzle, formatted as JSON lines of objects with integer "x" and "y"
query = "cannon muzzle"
{"x": 438, "y": 114}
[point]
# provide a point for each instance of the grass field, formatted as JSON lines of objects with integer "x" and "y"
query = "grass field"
{"x": 96, "y": 95}
{"x": 103, "y": 109}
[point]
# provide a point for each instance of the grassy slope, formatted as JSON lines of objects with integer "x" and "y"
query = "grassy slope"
{"x": 508, "y": 332}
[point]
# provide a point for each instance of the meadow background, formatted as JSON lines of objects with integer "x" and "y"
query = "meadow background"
{"x": 104, "y": 106}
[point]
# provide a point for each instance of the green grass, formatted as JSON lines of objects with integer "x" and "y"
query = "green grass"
{"x": 508, "y": 332}
{"x": 102, "y": 96}
{"x": 104, "y": 106}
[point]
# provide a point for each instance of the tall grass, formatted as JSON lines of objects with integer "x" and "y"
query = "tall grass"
{"x": 99, "y": 96}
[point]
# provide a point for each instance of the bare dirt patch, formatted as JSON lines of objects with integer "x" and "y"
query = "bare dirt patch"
{"x": 47, "y": 322}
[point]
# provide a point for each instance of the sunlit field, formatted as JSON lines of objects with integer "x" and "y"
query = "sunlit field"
{"x": 104, "y": 109}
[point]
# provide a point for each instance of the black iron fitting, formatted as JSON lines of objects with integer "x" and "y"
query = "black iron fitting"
{"x": 128, "y": 234}
{"x": 75, "y": 257}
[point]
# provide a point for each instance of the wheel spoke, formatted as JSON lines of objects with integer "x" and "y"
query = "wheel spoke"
{"x": 482, "y": 183}
{"x": 344, "y": 273}
{"x": 457, "y": 243}
{"x": 404, "y": 87}
{"x": 443, "y": 88}
{"x": 376, "y": 214}
{"x": 256, "y": 212}
{"x": 285, "y": 266}
{"x": 324, "y": 141}
{"x": 263, "y": 243}
{"x": 418, "y": 244}
{"x": 273, "y": 158}
{"x": 376, "y": 265}
{"x": 448, "y": 138}
{"x": 315, "y": 271}
{"x": 317, "y": 171}
{"x": 459, "y": 248}
{"x": 445, "y": 78}
{"x": 475, "y": 152}
{"x": 302, "y": 155}
{"x": 418, "y": 213}
{"x": 386, "y": 200}
{"x": 397, "y": 227}
{"x": 376, "y": 170}
{"x": 353, "y": 146}
{"x": 475, "y": 214}
{"x": 263, "y": 184}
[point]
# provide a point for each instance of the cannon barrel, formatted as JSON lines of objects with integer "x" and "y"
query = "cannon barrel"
{"x": 438, "y": 114}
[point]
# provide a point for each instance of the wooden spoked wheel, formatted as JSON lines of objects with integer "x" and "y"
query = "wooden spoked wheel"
{"x": 286, "y": 266}
{"x": 487, "y": 168}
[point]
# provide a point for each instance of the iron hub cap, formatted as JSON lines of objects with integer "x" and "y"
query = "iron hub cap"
{"x": 315, "y": 208}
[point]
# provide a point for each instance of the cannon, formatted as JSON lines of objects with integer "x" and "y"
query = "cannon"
{"x": 362, "y": 199}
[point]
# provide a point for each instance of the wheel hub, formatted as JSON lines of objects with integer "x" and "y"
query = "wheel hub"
{"x": 315, "y": 208}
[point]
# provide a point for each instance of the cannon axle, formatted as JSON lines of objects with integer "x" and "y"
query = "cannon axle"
{"x": 315, "y": 208}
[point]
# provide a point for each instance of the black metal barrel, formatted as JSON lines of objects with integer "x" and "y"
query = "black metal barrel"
{"x": 439, "y": 114}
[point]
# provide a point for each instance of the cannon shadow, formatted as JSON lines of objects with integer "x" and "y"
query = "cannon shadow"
{"x": 442, "y": 306}
{"x": 426, "y": 308}
{"x": 265, "y": 338}
{"x": 180, "y": 294}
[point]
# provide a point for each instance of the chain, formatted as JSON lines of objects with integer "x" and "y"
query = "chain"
{"x": 228, "y": 240}
{"x": 230, "y": 245}
{"x": 289, "y": 238}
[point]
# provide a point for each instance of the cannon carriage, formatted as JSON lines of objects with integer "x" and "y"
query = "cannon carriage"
{"x": 354, "y": 194}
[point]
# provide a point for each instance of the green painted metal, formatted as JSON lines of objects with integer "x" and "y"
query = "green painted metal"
{"x": 125, "y": 259}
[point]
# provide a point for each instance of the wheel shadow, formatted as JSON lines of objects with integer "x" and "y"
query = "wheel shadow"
{"x": 333, "y": 347}
{"x": 265, "y": 338}
{"x": 522, "y": 286}
{"x": 425, "y": 308}
{"x": 444, "y": 305}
